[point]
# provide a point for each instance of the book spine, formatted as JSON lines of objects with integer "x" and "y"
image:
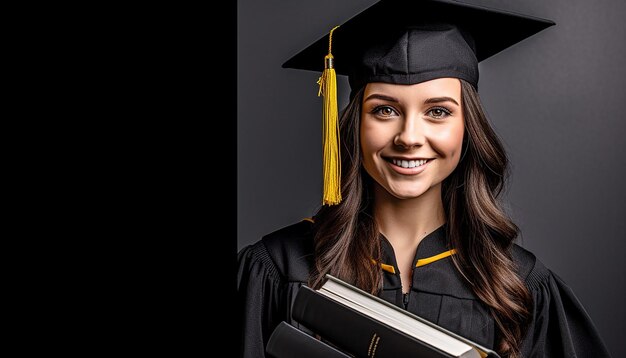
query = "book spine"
{"x": 287, "y": 341}
{"x": 355, "y": 332}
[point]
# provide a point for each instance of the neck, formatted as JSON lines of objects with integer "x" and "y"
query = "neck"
{"x": 405, "y": 222}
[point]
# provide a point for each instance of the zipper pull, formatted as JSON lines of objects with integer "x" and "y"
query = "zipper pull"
{"x": 405, "y": 300}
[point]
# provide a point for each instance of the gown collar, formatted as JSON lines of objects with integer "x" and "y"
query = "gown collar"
{"x": 433, "y": 247}
{"x": 433, "y": 269}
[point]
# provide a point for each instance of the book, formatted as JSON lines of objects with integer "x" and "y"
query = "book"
{"x": 367, "y": 326}
{"x": 287, "y": 341}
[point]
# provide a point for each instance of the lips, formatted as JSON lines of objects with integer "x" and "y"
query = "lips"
{"x": 408, "y": 163}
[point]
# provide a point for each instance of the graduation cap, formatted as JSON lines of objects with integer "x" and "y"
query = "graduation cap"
{"x": 405, "y": 42}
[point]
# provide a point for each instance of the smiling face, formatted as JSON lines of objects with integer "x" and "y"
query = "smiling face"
{"x": 411, "y": 135}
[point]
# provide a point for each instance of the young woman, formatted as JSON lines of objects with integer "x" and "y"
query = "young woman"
{"x": 419, "y": 223}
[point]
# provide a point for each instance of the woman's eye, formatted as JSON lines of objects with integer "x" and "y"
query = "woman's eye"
{"x": 439, "y": 112}
{"x": 384, "y": 111}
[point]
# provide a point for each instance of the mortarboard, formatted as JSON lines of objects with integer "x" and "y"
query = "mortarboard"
{"x": 405, "y": 42}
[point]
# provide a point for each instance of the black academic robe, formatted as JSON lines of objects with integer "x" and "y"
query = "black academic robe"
{"x": 272, "y": 270}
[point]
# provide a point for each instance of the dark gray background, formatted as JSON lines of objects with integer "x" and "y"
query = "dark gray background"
{"x": 556, "y": 99}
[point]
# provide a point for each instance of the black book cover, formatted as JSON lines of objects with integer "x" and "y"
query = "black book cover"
{"x": 287, "y": 341}
{"x": 364, "y": 336}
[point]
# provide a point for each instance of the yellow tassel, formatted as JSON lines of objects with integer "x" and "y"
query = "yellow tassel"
{"x": 332, "y": 162}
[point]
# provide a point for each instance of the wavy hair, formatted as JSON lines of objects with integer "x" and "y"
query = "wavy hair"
{"x": 347, "y": 236}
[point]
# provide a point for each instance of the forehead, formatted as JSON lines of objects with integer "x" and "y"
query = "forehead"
{"x": 449, "y": 87}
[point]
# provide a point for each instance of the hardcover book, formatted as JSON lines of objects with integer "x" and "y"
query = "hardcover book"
{"x": 364, "y": 325}
{"x": 287, "y": 341}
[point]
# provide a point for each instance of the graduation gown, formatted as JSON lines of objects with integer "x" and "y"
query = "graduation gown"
{"x": 271, "y": 271}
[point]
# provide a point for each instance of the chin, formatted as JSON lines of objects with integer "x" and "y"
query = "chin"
{"x": 407, "y": 194}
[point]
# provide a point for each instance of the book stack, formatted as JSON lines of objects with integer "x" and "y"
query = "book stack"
{"x": 354, "y": 323}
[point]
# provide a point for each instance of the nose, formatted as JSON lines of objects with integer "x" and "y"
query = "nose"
{"x": 411, "y": 134}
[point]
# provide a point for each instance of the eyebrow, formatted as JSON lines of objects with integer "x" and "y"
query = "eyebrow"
{"x": 395, "y": 100}
{"x": 381, "y": 96}
{"x": 441, "y": 99}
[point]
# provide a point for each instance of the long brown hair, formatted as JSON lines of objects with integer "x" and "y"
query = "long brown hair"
{"x": 347, "y": 236}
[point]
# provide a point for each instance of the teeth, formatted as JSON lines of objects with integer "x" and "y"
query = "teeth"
{"x": 409, "y": 163}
